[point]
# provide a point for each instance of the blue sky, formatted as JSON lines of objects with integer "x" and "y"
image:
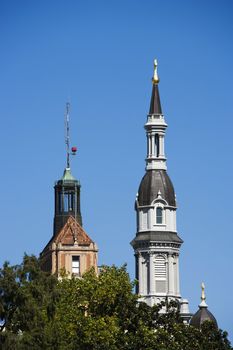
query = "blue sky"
{"x": 99, "y": 55}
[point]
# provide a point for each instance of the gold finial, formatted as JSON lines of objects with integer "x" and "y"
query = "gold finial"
{"x": 155, "y": 78}
{"x": 203, "y": 297}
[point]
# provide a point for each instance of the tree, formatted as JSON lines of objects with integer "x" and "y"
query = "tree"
{"x": 104, "y": 313}
{"x": 95, "y": 318}
{"x": 94, "y": 312}
{"x": 27, "y": 297}
{"x": 213, "y": 338}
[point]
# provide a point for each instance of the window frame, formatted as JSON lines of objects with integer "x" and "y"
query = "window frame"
{"x": 75, "y": 260}
{"x": 159, "y": 219}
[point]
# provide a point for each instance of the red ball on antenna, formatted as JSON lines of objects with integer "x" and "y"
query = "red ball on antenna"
{"x": 74, "y": 150}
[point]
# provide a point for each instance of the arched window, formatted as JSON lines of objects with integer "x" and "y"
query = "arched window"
{"x": 159, "y": 215}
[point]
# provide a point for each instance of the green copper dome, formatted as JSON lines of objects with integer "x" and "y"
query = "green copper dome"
{"x": 67, "y": 176}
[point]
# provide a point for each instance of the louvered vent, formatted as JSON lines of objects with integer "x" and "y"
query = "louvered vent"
{"x": 160, "y": 268}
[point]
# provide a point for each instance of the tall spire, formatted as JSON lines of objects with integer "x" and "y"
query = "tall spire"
{"x": 155, "y": 129}
{"x": 157, "y": 244}
{"x": 155, "y": 105}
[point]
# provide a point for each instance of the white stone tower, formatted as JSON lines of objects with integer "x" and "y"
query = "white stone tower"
{"x": 157, "y": 245}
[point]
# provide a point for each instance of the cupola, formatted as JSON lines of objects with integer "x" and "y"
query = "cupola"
{"x": 203, "y": 314}
{"x": 67, "y": 200}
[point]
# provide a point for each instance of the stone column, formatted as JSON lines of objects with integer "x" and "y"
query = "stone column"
{"x": 153, "y": 145}
{"x": 170, "y": 275}
{"x": 177, "y": 275}
{"x": 148, "y": 145}
{"x": 140, "y": 279}
{"x": 161, "y": 145}
{"x": 152, "y": 274}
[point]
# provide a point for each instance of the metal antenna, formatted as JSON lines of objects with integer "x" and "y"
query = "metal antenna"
{"x": 67, "y": 134}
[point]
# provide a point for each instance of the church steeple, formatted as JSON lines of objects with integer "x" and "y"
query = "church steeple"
{"x": 67, "y": 189}
{"x": 155, "y": 105}
{"x": 157, "y": 244}
{"x": 155, "y": 129}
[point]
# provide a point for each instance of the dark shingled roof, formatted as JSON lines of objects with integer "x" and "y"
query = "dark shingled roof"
{"x": 155, "y": 105}
{"x": 203, "y": 314}
{"x": 158, "y": 236}
{"x": 153, "y": 182}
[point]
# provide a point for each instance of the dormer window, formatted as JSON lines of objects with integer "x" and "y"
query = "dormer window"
{"x": 159, "y": 215}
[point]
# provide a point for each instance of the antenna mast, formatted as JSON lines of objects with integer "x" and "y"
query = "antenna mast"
{"x": 67, "y": 134}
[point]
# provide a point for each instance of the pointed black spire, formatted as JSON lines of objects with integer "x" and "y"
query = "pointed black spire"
{"x": 155, "y": 105}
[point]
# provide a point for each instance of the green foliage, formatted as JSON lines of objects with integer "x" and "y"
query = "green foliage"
{"x": 94, "y": 318}
{"x": 27, "y": 297}
{"x": 91, "y": 313}
{"x": 212, "y": 338}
